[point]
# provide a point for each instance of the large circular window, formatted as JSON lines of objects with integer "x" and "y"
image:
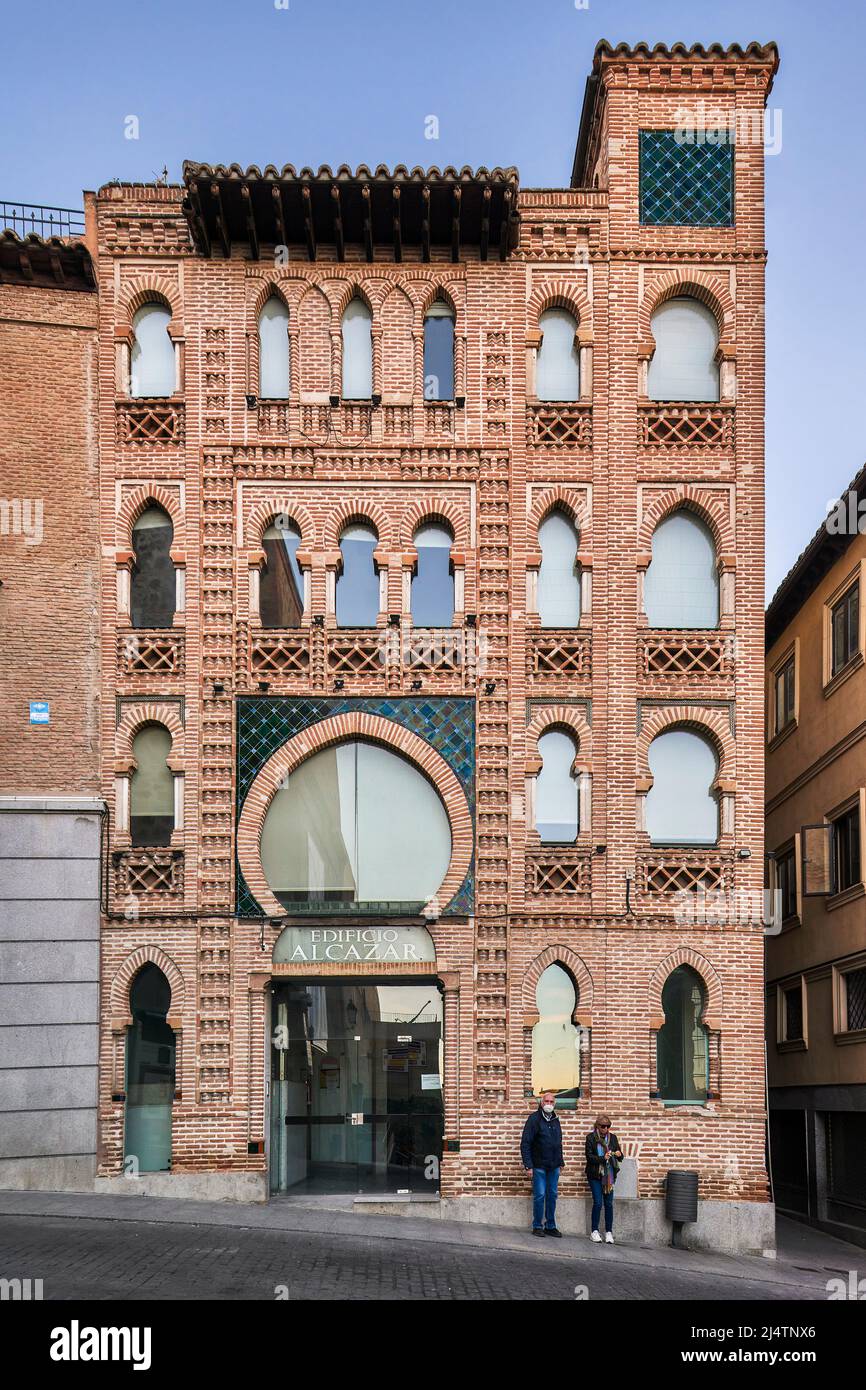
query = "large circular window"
{"x": 355, "y": 824}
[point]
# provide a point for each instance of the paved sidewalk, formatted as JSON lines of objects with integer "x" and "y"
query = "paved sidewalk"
{"x": 804, "y": 1262}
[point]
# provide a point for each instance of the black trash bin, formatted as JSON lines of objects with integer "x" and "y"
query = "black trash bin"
{"x": 681, "y": 1201}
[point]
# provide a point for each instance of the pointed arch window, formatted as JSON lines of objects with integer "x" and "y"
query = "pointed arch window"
{"x": 281, "y": 586}
{"x": 682, "y": 581}
{"x": 357, "y": 351}
{"x": 683, "y": 366}
{"x": 153, "y": 364}
{"x": 557, "y": 367}
{"x": 555, "y": 1039}
{"x": 439, "y": 352}
{"x": 558, "y": 576}
{"x": 274, "y": 365}
{"x": 557, "y": 790}
{"x": 682, "y": 1053}
{"x": 151, "y": 797}
{"x": 358, "y": 580}
{"x": 681, "y": 807}
{"x": 150, "y": 1075}
{"x": 153, "y": 584}
{"x": 432, "y": 594}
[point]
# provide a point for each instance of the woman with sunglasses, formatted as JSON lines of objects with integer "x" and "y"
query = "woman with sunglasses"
{"x": 603, "y": 1157}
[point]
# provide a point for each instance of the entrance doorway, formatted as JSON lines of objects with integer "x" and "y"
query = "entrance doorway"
{"x": 356, "y": 1086}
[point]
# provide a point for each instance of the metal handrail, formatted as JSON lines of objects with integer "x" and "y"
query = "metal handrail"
{"x": 45, "y": 221}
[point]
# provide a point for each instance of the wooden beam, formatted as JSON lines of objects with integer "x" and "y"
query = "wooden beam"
{"x": 56, "y": 268}
{"x": 505, "y": 227}
{"x": 338, "y": 222}
{"x": 425, "y": 223}
{"x": 309, "y": 229}
{"x": 199, "y": 219}
{"x": 221, "y": 224}
{"x": 251, "y": 222}
{"x": 24, "y": 262}
{"x": 277, "y": 195}
{"x": 368, "y": 222}
{"x": 398, "y": 243}
{"x": 485, "y": 221}
{"x": 455, "y": 225}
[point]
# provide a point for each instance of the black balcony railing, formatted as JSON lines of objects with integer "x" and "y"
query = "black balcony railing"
{"x": 25, "y": 218}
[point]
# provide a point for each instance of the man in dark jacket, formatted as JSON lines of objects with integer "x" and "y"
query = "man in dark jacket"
{"x": 541, "y": 1152}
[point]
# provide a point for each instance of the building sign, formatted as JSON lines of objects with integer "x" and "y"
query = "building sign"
{"x": 321, "y": 945}
{"x": 40, "y": 712}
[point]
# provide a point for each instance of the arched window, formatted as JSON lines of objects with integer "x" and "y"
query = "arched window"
{"x": 439, "y": 352}
{"x": 557, "y": 367}
{"x": 358, "y": 582}
{"x": 274, "y": 370}
{"x": 555, "y": 1040}
{"x": 682, "y": 1054}
{"x": 681, "y": 588}
{"x": 680, "y": 806}
{"x": 281, "y": 586}
{"x": 683, "y": 366}
{"x": 357, "y": 352}
{"x": 356, "y": 823}
{"x": 433, "y": 581}
{"x": 152, "y": 590}
{"x": 151, "y": 796}
{"x": 558, "y": 577}
{"x": 154, "y": 371}
{"x": 557, "y": 795}
{"x": 150, "y": 1075}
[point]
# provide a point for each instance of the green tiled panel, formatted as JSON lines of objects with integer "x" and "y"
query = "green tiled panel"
{"x": 266, "y": 722}
{"x": 685, "y": 185}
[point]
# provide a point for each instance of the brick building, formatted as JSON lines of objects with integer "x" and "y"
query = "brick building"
{"x": 816, "y": 805}
{"x": 51, "y": 812}
{"x": 432, "y": 665}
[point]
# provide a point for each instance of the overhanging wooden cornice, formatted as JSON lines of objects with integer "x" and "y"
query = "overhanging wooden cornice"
{"x": 450, "y": 209}
{"x": 46, "y": 262}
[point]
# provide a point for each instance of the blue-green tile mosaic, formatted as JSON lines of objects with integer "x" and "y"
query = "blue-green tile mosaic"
{"x": 685, "y": 185}
{"x": 265, "y": 723}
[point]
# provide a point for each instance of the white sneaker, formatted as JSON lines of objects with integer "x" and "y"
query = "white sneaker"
{"x": 608, "y": 1237}
{"x": 596, "y": 1237}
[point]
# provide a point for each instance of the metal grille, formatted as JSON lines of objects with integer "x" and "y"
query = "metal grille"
{"x": 846, "y": 1157}
{"x": 685, "y": 185}
{"x": 855, "y": 999}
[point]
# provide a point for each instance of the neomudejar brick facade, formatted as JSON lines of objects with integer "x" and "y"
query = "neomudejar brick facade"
{"x": 430, "y": 566}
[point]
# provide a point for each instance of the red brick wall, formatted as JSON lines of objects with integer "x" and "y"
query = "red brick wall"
{"x": 232, "y": 465}
{"x": 49, "y": 602}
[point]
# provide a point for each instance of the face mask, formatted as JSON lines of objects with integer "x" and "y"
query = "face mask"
{"x": 548, "y": 1109}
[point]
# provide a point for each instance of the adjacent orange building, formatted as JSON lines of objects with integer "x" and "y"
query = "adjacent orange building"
{"x": 816, "y": 802}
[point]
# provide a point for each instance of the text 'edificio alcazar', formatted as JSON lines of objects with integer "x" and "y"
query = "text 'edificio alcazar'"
{"x": 406, "y": 664}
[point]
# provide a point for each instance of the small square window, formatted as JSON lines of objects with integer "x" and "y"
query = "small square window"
{"x": 846, "y": 849}
{"x": 855, "y": 999}
{"x": 784, "y": 701}
{"x": 793, "y": 1013}
{"x": 844, "y": 629}
{"x": 685, "y": 183}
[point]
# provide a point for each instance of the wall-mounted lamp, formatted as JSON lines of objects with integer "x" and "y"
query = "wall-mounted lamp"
{"x": 744, "y": 854}
{"x": 394, "y": 619}
{"x": 319, "y": 620}
{"x": 252, "y": 402}
{"x": 376, "y": 400}
{"x": 264, "y": 685}
{"x": 489, "y": 687}
{"x": 470, "y": 619}
{"x": 339, "y": 683}
{"x": 334, "y": 400}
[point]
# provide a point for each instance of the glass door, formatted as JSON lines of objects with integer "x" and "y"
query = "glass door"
{"x": 356, "y": 1088}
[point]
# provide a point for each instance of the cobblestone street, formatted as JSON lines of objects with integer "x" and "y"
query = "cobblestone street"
{"x": 106, "y": 1259}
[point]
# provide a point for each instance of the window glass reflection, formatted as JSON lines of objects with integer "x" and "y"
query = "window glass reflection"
{"x": 432, "y": 597}
{"x": 555, "y": 1039}
{"x": 358, "y": 582}
{"x": 680, "y": 806}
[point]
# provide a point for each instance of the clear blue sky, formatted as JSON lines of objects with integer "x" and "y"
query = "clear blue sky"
{"x": 334, "y": 81}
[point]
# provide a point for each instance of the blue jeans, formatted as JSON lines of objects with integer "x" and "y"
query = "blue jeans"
{"x": 545, "y": 1185}
{"x": 597, "y": 1196}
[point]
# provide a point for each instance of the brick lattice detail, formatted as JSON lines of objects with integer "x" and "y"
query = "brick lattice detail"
{"x": 149, "y": 652}
{"x": 685, "y": 654}
{"x": 666, "y": 426}
{"x": 564, "y": 426}
{"x": 150, "y": 422}
{"x": 148, "y": 873}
